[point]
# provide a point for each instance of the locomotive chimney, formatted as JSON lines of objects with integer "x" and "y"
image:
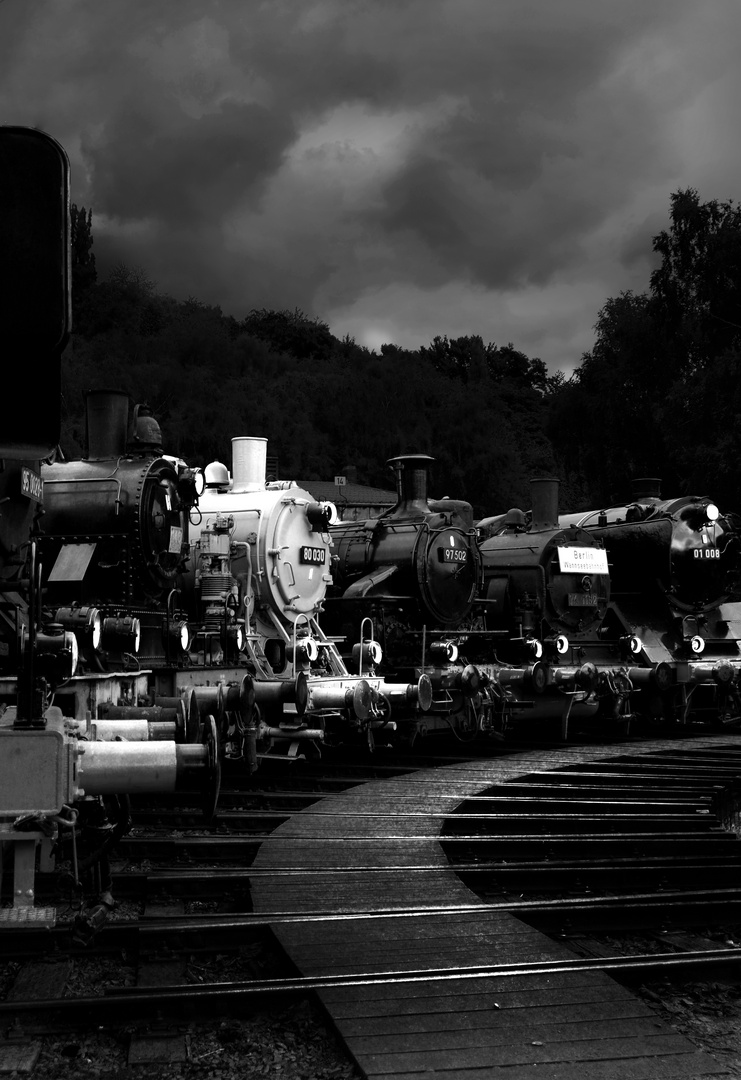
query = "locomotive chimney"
{"x": 544, "y": 500}
{"x": 646, "y": 487}
{"x": 249, "y": 463}
{"x": 412, "y": 471}
{"x": 107, "y": 423}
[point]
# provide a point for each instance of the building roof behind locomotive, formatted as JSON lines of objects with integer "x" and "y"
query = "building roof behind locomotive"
{"x": 354, "y": 502}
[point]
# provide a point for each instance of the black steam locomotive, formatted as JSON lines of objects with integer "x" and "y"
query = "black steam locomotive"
{"x": 404, "y": 589}
{"x": 676, "y": 572}
{"x": 546, "y": 592}
{"x": 115, "y": 538}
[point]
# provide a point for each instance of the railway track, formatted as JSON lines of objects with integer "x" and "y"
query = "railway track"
{"x": 632, "y": 835}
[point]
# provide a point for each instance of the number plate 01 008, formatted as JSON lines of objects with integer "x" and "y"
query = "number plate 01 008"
{"x": 312, "y": 555}
{"x": 583, "y": 599}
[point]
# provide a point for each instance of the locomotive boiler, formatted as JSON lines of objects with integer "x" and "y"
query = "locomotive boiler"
{"x": 55, "y": 780}
{"x": 676, "y": 572}
{"x": 404, "y": 588}
{"x": 546, "y": 592}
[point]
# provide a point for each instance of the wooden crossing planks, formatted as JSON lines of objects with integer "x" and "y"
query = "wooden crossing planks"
{"x": 521, "y": 1027}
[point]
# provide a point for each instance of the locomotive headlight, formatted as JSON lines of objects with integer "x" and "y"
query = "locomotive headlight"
{"x": 697, "y": 644}
{"x": 330, "y": 511}
{"x": 179, "y": 635}
{"x": 562, "y": 644}
{"x": 234, "y": 641}
{"x": 320, "y": 515}
{"x": 56, "y": 652}
{"x": 443, "y": 652}
{"x": 83, "y": 622}
{"x": 74, "y": 653}
{"x": 535, "y": 647}
{"x": 122, "y": 634}
{"x": 191, "y": 485}
{"x": 307, "y": 651}
{"x": 635, "y": 644}
{"x": 712, "y": 512}
{"x": 366, "y": 655}
{"x": 375, "y": 652}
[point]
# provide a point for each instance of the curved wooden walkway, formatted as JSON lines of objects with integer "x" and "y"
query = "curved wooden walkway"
{"x": 344, "y": 854}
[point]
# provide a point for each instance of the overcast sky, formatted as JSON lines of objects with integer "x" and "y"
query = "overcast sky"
{"x": 400, "y": 168}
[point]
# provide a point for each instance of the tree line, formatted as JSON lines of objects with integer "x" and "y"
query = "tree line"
{"x": 657, "y": 395}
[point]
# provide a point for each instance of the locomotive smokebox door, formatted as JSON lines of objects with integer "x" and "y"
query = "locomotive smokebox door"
{"x": 34, "y": 285}
{"x": 448, "y": 574}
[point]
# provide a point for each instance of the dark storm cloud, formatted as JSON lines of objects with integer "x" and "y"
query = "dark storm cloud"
{"x": 188, "y": 170}
{"x": 321, "y": 153}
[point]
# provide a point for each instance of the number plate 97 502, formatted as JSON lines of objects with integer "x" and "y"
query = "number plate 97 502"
{"x": 452, "y": 555}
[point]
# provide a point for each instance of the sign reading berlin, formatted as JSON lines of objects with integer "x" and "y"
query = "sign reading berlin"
{"x": 582, "y": 560}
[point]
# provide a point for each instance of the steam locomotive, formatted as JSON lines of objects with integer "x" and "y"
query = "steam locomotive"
{"x": 56, "y": 780}
{"x": 403, "y": 589}
{"x": 259, "y": 574}
{"x": 546, "y": 592}
{"x": 676, "y": 570}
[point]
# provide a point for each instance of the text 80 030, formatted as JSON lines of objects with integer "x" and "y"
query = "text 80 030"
{"x": 313, "y": 555}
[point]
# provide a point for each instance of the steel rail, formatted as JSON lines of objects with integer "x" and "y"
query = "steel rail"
{"x": 665, "y": 904}
{"x": 644, "y": 807}
{"x": 125, "y": 1001}
{"x": 165, "y": 878}
{"x": 278, "y": 817}
{"x": 716, "y": 834}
